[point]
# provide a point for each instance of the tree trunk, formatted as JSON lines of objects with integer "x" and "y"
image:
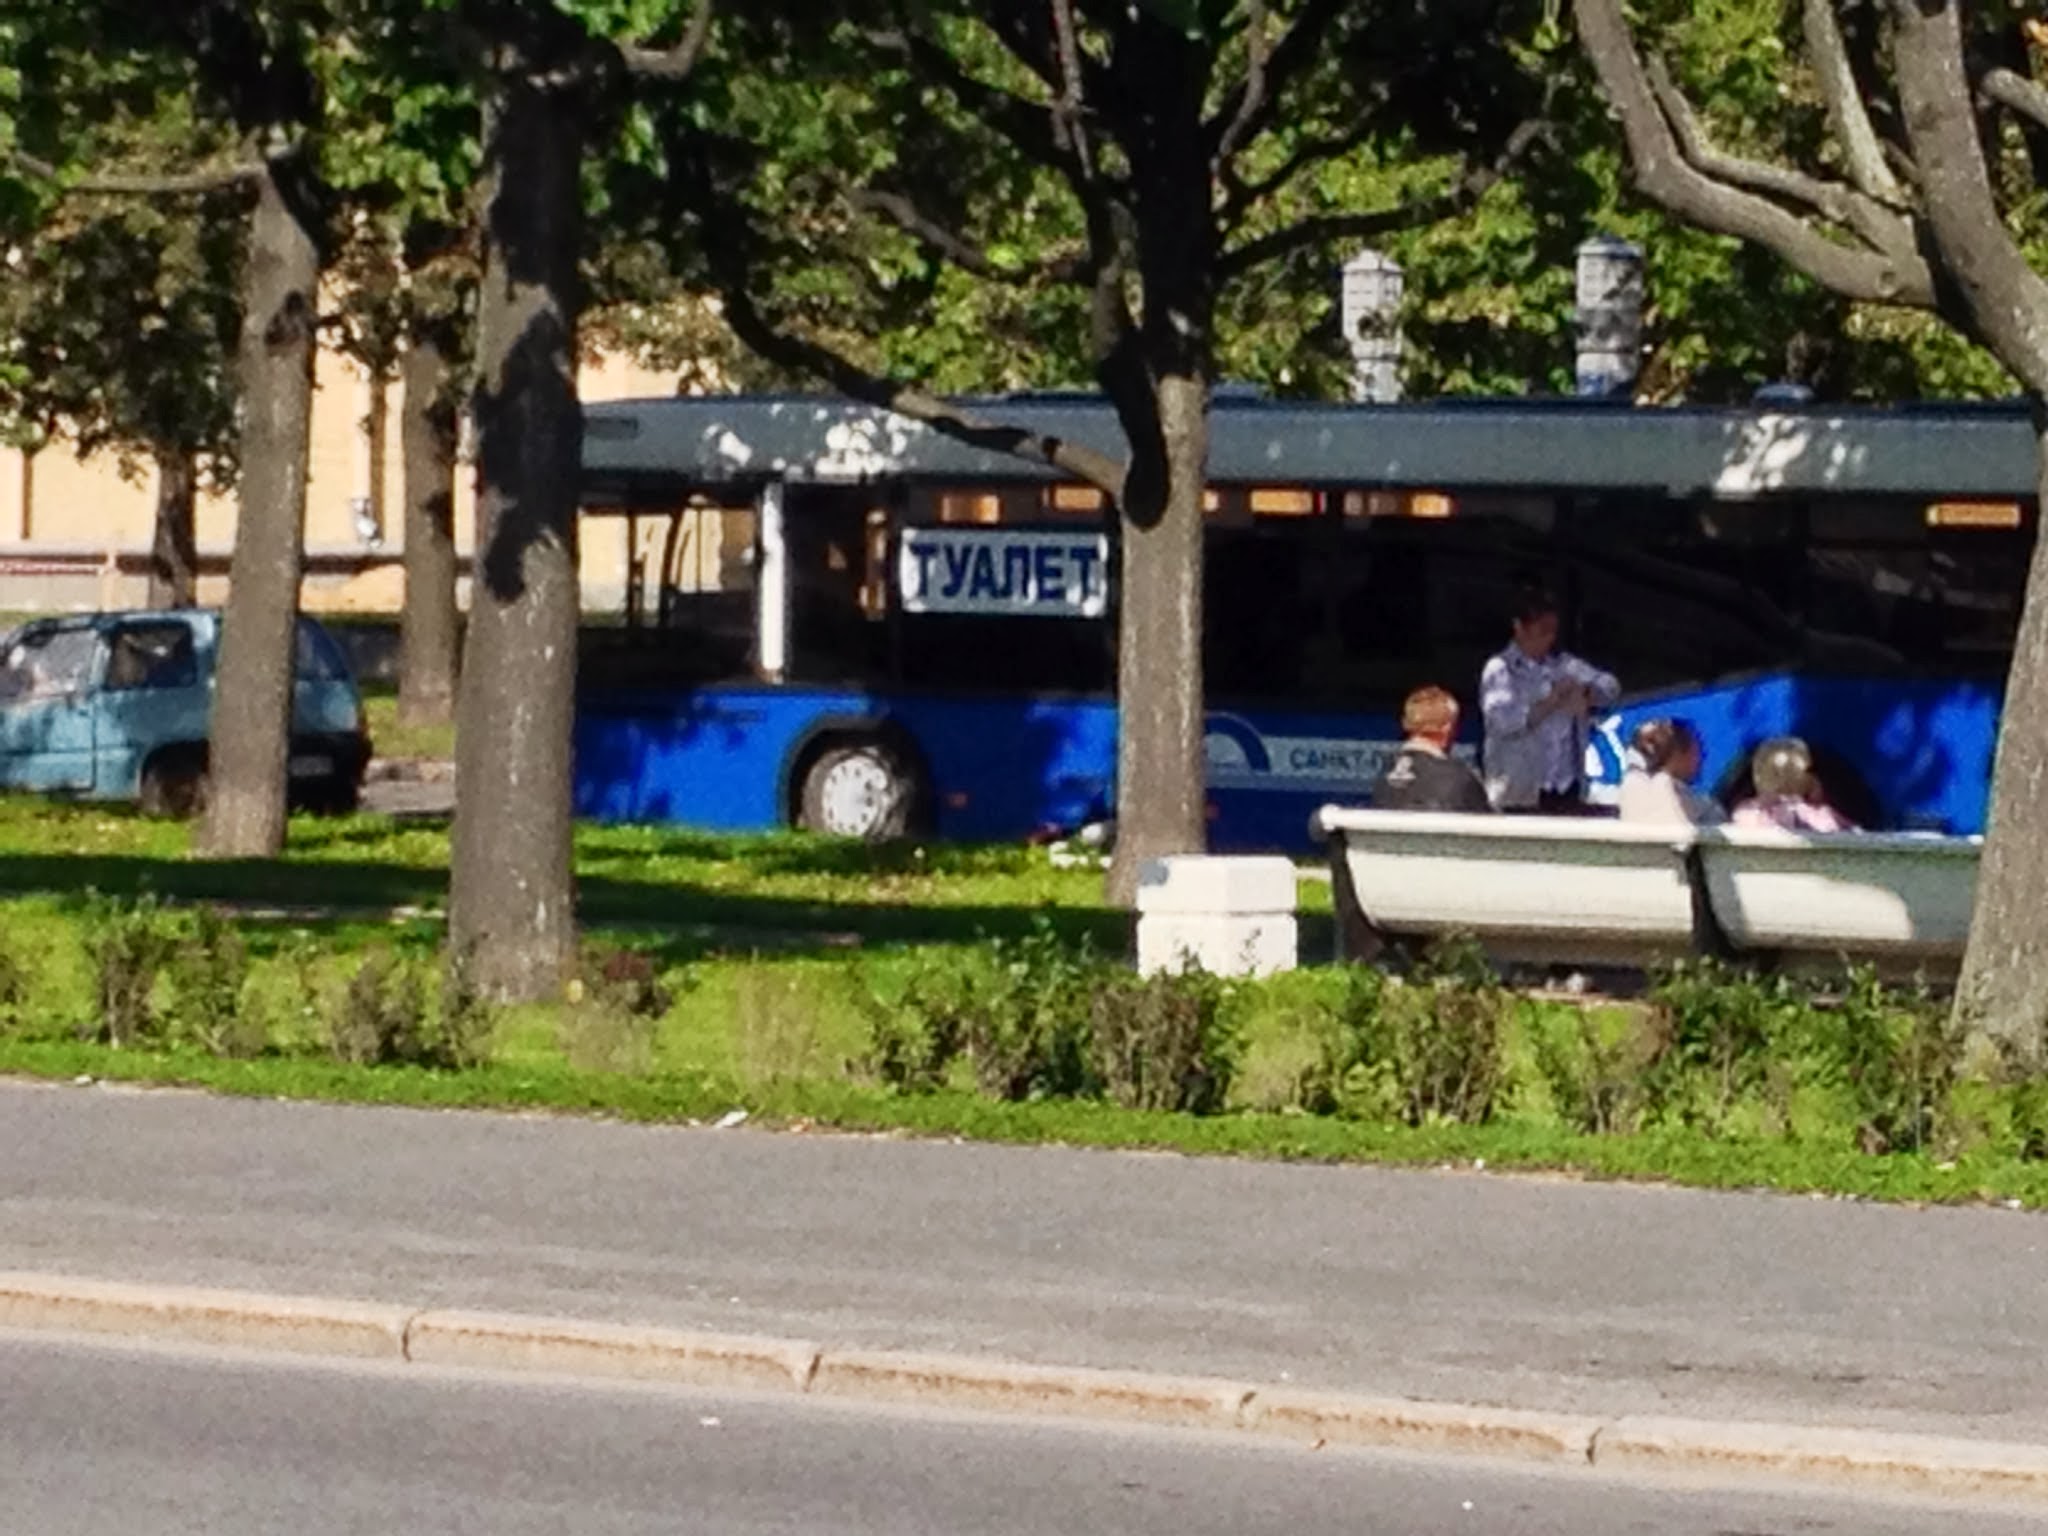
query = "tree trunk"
{"x": 1161, "y": 803}
{"x": 511, "y": 909}
{"x": 428, "y": 633}
{"x": 174, "y": 549}
{"x": 252, "y": 710}
{"x": 2003, "y": 990}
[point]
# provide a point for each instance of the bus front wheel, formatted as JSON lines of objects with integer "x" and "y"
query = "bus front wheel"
{"x": 860, "y": 790}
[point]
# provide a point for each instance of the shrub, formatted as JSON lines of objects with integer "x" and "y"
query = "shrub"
{"x": 381, "y": 1015}
{"x": 1894, "y": 1054}
{"x": 1024, "y": 1022}
{"x": 207, "y": 968}
{"x": 127, "y": 946}
{"x": 1718, "y": 1025}
{"x": 14, "y": 991}
{"x": 614, "y": 1007}
{"x": 777, "y": 1026}
{"x": 1433, "y": 1046}
{"x": 390, "y": 1014}
{"x": 467, "y": 1022}
{"x": 1594, "y": 1060}
{"x": 1016, "y": 1012}
{"x": 622, "y": 980}
{"x": 1162, "y": 1041}
{"x": 915, "y": 1037}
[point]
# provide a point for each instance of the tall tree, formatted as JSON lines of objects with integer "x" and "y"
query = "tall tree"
{"x": 551, "y": 80}
{"x": 119, "y": 322}
{"x": 119, "y": 314}
{"x": 245, "y": 67}
{"x": 1935, "y": 132}
{"x": 1129, "y": 153}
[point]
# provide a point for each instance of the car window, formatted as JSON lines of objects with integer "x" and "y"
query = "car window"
{"x": 152, "y": 656}
{"x": 318, "y": 659}
{"x": 47, "y": 663}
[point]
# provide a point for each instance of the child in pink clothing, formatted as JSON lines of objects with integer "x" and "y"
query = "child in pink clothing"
{"x": 1788, "y": 795}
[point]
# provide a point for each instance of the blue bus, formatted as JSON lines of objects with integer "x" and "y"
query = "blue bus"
{"x": 840, "y": 619}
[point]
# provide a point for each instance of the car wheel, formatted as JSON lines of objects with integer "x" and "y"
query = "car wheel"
{"x": 174, "y": 786}
{"x": 862, "y": 790}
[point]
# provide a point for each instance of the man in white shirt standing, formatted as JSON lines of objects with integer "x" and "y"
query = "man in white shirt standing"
{"x": 1535, "y": 702}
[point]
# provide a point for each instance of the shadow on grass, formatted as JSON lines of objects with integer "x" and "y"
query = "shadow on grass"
{"x": 693, "y": 921}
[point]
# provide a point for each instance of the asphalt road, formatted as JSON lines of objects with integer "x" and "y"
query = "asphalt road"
{"x": 1597, "y": 1298}
{"x": 107, "y": 1442}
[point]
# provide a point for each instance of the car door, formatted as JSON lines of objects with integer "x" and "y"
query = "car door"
{"x": 47, "y": 681}
{"x": 151, "y": 696}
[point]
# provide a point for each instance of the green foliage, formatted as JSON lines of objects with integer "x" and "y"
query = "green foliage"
{"x": 208, "y": 970}
{"x": 1594, "y": 1062}
{"x": 1014, "y": 1011}
{"x": 1434, "y": 1047}
{"x": 398, "y": 1009}
{"x": 1163, "y": 1042}
{"x": 128, "y": 946}
{"x": 1037, "y": 1017}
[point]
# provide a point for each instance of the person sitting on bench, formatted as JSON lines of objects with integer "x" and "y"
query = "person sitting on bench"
{"x": 1424, "y": 776}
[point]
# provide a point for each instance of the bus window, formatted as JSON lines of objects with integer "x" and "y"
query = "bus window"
{"x": 832, "y": 637}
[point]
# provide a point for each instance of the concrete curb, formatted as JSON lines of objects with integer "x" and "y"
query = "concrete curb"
{"x": 307, "y": 1325}
{"x": 304, "y": 1325}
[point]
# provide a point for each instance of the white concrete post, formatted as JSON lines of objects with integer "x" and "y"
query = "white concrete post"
{"x": 1231, "y": 916}
{"x": 771, "y": 585}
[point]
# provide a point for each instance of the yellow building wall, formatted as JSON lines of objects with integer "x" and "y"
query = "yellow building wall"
{"x": 58, "y": 509}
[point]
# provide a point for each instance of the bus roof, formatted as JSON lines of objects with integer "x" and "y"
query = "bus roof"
{"x": 633, "y": 448}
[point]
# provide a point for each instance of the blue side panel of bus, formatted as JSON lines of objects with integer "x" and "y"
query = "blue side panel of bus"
{"x": 1002, "y": 769}
{"x": 1922, "y": 747}
{"x": 721, "y": 758}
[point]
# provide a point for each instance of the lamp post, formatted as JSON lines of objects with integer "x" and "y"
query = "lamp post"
{"x": 1371, "y": 309}
{"x": 1609, "y": 317}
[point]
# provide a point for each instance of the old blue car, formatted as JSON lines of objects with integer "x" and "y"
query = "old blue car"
{"x": 115, "y": 706}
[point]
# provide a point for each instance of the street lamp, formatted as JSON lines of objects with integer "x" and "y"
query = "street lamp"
{"x": 1609, "y": 317}
{"x": 1371, "y": 308}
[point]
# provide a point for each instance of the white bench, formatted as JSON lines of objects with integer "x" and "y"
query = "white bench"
{"x": 1598, "y": 892}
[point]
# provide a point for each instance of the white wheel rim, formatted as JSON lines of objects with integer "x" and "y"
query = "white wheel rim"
{"x": 855, "y": 796}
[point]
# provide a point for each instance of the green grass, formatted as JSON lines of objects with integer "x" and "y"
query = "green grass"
{"x": 391, "y": 738}
{"x": 704, "y": 892}
{"x": 771, "y": 947}
{"x": 686, "y": 1096}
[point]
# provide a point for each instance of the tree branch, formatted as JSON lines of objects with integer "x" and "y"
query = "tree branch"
{"x": 2016, "y": 93}
{"x": 1291, "y": 53}
{"x": 2007, "y": 301}
{"x": 956, "y": 247}
{"x": 1323, "y": 229}
{"x": 672, "y": 64}
{"x": 800, "y": 354}
{"x": 1664, "y": 175}
{"x": 1880, "y": 228}
{"x": 1026, "y": 125}
{"x": 1847, "y": 115}
{"x": 1252, "y": 99}
{"x": 1310, "y": 152}
{"x": 186, "y": 184}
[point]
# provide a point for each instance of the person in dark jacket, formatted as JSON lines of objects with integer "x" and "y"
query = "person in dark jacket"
{"x": 1423, "y": 775}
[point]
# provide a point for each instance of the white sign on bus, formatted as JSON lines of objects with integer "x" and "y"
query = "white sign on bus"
{"x": 1003, "y": 571}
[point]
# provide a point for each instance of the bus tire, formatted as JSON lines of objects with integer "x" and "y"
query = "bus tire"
{"x": 858, "y": 789}
{"x": 174, "y": 785}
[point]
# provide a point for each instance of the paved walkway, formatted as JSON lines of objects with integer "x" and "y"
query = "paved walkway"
{"x": 1510, "y": 1291}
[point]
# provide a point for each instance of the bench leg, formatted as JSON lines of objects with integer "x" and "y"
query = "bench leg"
{"x": 1359, "y": 940}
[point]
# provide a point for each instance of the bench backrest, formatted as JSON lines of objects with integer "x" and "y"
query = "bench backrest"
{"x": 1589, "y": 890}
